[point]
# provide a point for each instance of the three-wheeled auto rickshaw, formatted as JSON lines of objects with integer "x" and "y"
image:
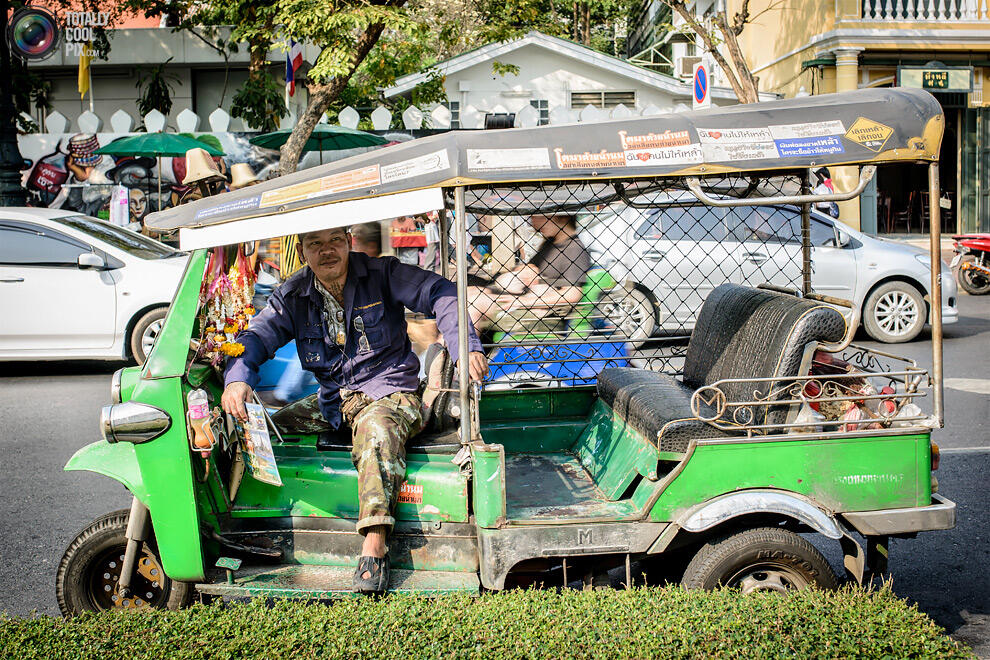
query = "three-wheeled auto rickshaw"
{"x": 706, "y": 459}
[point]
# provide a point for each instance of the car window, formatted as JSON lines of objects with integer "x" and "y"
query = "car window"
{"x": 122, "y": 239}
{"x": 22, "y": 246}
{"x": 821, "y": 232}
{"x": 691, "y": 223}
{"x": 765, "y": 224}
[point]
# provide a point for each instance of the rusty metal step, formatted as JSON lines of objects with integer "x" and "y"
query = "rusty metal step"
{"x": 330, "y": 582}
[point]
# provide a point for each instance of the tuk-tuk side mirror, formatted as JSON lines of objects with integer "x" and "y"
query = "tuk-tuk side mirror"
{"x": 88, "y": 260}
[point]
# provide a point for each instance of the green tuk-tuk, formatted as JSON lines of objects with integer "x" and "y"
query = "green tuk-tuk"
{"x": 702, "y": 453}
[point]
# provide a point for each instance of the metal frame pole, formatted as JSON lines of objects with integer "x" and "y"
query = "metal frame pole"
{"x": 935, "y": 232}
{"x": 460, "y": 256}
{"x": 444, "y": 219}
{"x": 806, "y": 235}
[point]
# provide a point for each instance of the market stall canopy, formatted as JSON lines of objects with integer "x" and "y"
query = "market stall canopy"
{"x": 156, "y": 145}
{"x": 868, "y": 126}
{"x": 324, "y": 138}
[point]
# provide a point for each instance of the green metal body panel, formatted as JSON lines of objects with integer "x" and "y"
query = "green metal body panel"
{"x": 114, "y": 461}
{"x": 488, "y": 483}
{"x": 170, "y": 355}
{"x": 840, "y": 474}
{"x": 167, "y": 474}
{"x": 613, "y": 453}
{"x": 129, "y": 378}
{"x": 324, "y": 484}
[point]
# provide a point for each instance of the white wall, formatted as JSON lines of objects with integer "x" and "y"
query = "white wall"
{"x": 543, "y": 75}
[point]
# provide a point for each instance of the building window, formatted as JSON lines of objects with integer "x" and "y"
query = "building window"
{"x": 603, "y": 99}
{"x": 544, "y": 107}
{"x": 455, "y": 113}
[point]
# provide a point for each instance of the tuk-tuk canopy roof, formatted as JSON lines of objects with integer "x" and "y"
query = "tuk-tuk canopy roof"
{"x": 868, "y": 126}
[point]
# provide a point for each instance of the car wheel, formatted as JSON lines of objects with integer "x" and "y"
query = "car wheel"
{"x": 89, "y": 570}
{"x": 894, "y": 312}
{"x": 146, "y": 332}
{"x": 631, "y": 312}
{"x": 763, "y": 559}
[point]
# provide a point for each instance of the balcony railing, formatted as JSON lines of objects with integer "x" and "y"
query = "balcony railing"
{"x": 926, "y": 10}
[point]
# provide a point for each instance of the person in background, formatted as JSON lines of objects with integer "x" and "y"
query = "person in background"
{"x": 431, "y": 259}
{"x": 552, "y": 279}
{"x": 367, "y": 238}
{"x": 407, "y": 239}
{"x": 825, "y": 187}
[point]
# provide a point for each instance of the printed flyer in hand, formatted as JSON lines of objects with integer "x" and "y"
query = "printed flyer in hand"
{"x": 258, "y": 446}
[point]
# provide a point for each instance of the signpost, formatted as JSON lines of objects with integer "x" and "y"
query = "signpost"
{"x": 700, "y": 98}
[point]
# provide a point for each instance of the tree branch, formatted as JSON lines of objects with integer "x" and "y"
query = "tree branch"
{"x": 746, "y": 80}
{"x": 710, "y": 46}
{"x": 320, "y": 98}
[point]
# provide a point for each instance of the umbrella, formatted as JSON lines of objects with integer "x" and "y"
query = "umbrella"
{"x": 156, "y": 145}
{"x": 324, "y": 138}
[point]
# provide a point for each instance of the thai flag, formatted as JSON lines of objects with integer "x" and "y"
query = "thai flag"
{"x": 293, "y": 60}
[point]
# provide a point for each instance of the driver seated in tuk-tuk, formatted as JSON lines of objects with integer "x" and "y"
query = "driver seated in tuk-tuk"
{"x": 551, "y": 282}
{"x": 345, "y": 312}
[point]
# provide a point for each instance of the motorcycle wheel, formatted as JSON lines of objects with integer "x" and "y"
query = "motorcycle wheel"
{"x": 972, "y": 282}
{"x": 89, "y": 570}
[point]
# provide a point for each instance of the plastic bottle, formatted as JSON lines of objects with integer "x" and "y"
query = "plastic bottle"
{"x": 199, "y": 420}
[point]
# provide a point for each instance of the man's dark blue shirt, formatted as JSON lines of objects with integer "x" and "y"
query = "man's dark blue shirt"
{"x": 377, "y": 291}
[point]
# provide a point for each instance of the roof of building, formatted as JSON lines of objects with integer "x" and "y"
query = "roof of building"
{"x": 566, "y": 48}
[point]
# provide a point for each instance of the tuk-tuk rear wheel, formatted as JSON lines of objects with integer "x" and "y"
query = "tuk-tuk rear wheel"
{"x": 763, "y": 559}
{"x": 89, "y": 570}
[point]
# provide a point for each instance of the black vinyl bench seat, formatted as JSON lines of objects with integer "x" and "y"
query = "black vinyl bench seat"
{"x": 741, "y": 332}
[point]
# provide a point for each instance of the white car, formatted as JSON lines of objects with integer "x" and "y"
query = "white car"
{"x": 75, "y": 287}
{"x": 670, "y": 257}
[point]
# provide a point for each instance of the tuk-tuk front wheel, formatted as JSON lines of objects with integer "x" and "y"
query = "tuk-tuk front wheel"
{"x": 764, "y": 559}
{"x": 89, "y": 571}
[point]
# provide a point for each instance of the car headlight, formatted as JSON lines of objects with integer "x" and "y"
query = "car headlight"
{"x": 925, "y": 259}
{"x": 133, "y": 422}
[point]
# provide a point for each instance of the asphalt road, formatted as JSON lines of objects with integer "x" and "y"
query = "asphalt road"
{"x": 49, "y": 410}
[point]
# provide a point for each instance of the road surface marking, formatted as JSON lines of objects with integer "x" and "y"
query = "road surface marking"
{"x": 974, "y": 385}
{"x": 965, "y": 450}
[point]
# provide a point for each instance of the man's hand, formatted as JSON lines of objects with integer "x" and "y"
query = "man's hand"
{"x": 477, "y": 366}
{"x": 234, "y": 396}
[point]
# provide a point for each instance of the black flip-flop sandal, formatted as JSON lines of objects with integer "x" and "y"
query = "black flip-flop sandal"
{"x": 377, "y": 580}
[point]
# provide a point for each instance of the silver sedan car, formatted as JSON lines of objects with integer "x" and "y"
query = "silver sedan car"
{"x": 669, "y": 258}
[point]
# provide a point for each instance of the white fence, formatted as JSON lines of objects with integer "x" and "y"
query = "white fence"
{"x": 413, "y": 118}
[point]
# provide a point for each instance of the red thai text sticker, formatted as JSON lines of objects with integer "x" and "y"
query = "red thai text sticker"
{"x": 411, "y": 494}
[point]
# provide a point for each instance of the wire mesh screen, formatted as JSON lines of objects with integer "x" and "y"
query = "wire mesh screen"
{"x": 566, "y": 279}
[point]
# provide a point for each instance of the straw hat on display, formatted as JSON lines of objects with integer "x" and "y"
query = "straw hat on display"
{"x": 241, "y": 176}
{"x": 200, "y": 168}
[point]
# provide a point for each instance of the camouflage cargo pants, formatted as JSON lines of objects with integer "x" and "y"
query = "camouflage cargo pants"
{"x": 380, "y": 430}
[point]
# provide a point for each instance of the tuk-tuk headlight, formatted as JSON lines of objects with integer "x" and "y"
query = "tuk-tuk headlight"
{"x": 115, "y": 386}
{"x": 133, "y": 422}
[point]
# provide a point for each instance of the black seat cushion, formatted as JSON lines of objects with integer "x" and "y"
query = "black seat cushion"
{"x": 741, "y": 332}
{"x": 744, "y": 332}
{"x": 656, "y": 405}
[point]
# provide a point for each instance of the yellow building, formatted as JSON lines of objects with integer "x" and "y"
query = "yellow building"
{"x": 823, "y": 46}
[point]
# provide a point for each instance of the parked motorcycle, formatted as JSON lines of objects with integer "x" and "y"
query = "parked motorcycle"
{"x": 973, "y": 275}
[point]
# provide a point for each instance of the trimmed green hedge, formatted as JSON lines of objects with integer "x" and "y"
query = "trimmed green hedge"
{"x": 641, "y": 622}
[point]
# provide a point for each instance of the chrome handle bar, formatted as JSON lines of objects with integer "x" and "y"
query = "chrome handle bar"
{"x": 865, "y": 176}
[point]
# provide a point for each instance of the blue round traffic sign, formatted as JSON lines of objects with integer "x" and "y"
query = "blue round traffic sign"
{"x": 700, "y": 85}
